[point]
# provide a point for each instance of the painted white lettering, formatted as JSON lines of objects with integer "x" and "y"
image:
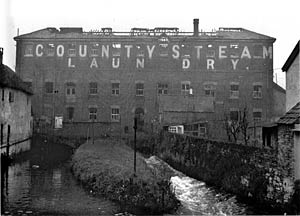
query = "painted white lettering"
{"x": 210, "y": 64}
{"x": 222, "y": 52}
{"x": 198, "y": 51}
{"x": 39, "y": 50}
{"x": 140, "y": 62}
{"x": 150, "y": 51}
{"x": 246, "y": 53}
{"x": 234, "y": 63}
{"x": 186, "y": 63}
{"x": 115, "y": 62}
{"x": 60, "y": 50}
{"x": 128, "y": 47}
{"x": 175, "y": 50}
{"x": 94, "y": 63}
{"x": 82, "y": 53}
{"x": 267, "y": 52}
{"x": 105, "y": 51}
{"x": 70, "y": 65}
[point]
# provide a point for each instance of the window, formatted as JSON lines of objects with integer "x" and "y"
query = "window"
{"x": 49, "y": 87}
{"x": 116, "y": 51}
{"x": 139, "y": 89}
{"x": 70, "y": 89}
{"x": 11, "y": 97}
{"x": 185, "y": 87}
{"x": 93, "y": 88}
{"x": 210, "y": 54}
{"x": 234, "y": 91}
{"x": 234, "y": 50}
{"x": 234, "y": 115}
{"x": 115, "y": 88}
{"x": 162, "y": 88}
{"x": 50, "y": 49}
{"x": 95, "y": 49}
{"x": 70, "y": 113}
{"x": 2, "y": 133}
{"x": 93, "y": 113}
{"x": 257, "y": 114}
{"x": 28, "y": 50}
{"x": 115, "y": 113}
{"x": 210, "y": 89}
{"x": 72, "y": 49}
{"x": 3, "y": 96}
{"x": 202, "y": 129}
{"x": 257, "y": 91}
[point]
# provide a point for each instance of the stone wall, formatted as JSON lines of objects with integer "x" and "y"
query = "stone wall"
{"x": 260, "y": 175}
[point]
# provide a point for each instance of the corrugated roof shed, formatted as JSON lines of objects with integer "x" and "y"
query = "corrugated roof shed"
{"x": 9, "y": 79}
{"x": 292, "y": 116}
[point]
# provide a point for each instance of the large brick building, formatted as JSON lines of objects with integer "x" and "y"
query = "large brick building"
{"x": 108, "y": 77}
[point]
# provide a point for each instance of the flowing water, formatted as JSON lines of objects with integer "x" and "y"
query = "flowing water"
{"x": 40, "y": 183}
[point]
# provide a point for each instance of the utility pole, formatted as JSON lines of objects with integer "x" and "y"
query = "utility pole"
{"x": 135, "y": 127}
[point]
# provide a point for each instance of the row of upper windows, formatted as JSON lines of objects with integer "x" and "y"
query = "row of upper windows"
{"x": 11, "y": 96}
{"x": 162, "y": 89}
{"x": 235, "y": 114}
{"x": 93, "y": 112}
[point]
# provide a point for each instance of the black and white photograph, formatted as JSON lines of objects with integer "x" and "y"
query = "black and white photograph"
{"x": 130, "y": 107}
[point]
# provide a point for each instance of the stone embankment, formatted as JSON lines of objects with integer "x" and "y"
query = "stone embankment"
{"x": 107, "y": 168}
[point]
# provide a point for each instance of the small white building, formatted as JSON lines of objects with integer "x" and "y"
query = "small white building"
{"x": 15, "y": 111}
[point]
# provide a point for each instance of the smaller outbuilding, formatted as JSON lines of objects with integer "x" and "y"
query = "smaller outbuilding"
{"x": 15, "y": 106}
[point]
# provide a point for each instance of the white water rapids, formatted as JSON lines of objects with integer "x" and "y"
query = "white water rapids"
{"x": 195, "y": 196}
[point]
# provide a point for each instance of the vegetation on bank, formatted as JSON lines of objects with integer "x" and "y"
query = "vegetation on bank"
{"x": 107, "y": 168}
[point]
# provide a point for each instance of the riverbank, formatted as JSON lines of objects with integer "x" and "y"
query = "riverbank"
{"x": 107, "y": 168}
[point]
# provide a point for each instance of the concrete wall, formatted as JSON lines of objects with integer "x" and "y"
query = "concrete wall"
{"x": 17, "y": 114}
{"x": 293, "y": 84}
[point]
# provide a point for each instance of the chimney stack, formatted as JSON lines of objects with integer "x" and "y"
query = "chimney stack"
{"x": 196, "y": 27}
{"x": 1, "y": 55}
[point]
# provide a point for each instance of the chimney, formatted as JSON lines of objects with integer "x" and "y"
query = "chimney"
{"x": 196, "y": 27}
{"x": 1, "y": 55}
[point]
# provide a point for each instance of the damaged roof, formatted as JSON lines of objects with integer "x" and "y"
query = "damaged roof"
{"x": 9, "y": 79}
{"x": 292, "y": 116}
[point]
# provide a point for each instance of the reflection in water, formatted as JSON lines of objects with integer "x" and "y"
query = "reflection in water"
{"x": 41, "y": 182}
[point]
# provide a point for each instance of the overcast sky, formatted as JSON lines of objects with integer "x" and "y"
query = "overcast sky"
{"x": 279, "y": 19}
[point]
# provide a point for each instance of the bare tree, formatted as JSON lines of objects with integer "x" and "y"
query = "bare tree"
{"x": 244, "y": 125}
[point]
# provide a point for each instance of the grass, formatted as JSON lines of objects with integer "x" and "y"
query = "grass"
{"x": 107, "y": 167}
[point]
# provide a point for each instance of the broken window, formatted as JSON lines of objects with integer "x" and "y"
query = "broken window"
{"x": 50, "y": 49}
{"x": 95, "y": 49}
